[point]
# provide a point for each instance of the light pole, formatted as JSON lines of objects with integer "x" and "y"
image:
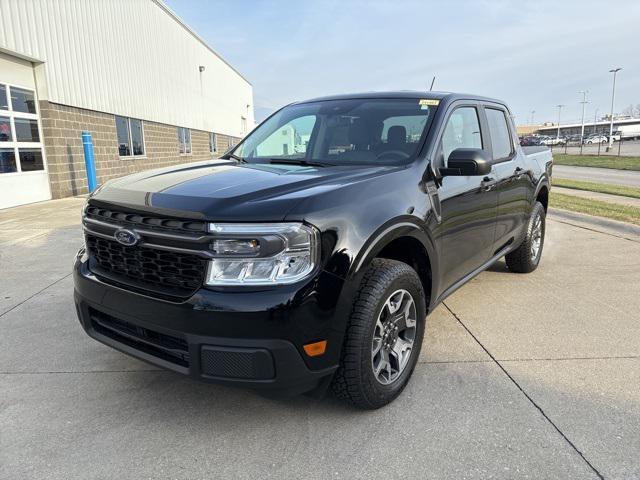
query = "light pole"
{"x": 559, "y": 110}
{"x": 595, "y": 120}
{"x": 533, "y": 112}
{"x": 613, "y": 96}
{"x": 584, "y": 103}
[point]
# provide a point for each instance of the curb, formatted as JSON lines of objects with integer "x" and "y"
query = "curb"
{"x": 599, "y": 224}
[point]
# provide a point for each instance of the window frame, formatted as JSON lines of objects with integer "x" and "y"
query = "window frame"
{"x": 484, "y": 138}
{"x": 506, "y": 114}
{"x": 182, "y": 141}
{"x": 15, "y": 145}
{"x": 132, "y": 155}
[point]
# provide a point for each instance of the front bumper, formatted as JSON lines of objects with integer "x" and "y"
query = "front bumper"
{"x": 244, "y": 338}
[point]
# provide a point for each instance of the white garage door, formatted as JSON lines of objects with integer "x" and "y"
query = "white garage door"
{"x": 23, "y": 172}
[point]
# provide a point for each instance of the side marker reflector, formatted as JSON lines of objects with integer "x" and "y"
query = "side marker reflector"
{"x": 315, "y": 349}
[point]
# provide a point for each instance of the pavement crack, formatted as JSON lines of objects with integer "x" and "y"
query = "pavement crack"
{"x": 527, "y": 396}
{"x": 31, "y": 296}
{"x": 550, "y": 359}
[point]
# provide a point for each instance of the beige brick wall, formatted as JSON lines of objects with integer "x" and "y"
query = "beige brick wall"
{"x": 62, "y": 128}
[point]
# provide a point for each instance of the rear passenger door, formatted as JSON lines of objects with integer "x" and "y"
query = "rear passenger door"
{"x": 468, "y": 203}
{"x": 512, "y": 178}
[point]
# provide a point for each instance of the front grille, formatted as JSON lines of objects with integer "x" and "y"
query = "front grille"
{"x": 167, "y": 347}
{"x": 163, "y": 273}
{"x": 129, "y": 219}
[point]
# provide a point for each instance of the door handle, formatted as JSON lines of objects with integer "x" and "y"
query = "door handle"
{"x": 518, "y": 172}
{"x": 488, "y": 183}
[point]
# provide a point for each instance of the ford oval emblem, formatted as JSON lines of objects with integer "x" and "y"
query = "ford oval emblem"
{"x": 126, "y": 237}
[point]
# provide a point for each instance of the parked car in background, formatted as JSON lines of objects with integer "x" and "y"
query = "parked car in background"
{"x": 552, "y": 141}
{"x": 597, "y": 138}
{"x": 575, "y": 138}
{"x": 615, "y": 136}
{"x": 530, "y": 141}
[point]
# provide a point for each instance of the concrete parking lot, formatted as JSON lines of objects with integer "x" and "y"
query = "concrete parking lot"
{"x": 521, "y": 376}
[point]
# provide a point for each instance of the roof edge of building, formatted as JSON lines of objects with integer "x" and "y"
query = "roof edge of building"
{"x": 181, "y": 22}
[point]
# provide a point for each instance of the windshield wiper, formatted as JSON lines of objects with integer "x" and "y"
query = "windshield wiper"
{"x": 300, "y": 161}
{"x": 236, "y": 157}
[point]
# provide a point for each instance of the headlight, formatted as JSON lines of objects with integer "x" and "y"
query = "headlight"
{"x": 261, "y": 254}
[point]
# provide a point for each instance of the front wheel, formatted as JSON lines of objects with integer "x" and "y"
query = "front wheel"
{"x": 384, "y": 335}
{"x": 526, "y": 257}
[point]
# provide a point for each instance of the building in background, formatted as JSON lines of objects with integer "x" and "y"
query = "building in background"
{"x": 149, "y": 89}
{"x": 627, "y": 128}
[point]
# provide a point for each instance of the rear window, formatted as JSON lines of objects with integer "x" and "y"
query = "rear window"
{"x": 500, "y": 138}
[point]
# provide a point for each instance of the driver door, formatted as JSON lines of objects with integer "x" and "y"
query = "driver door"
{"x": 469, "y": 203}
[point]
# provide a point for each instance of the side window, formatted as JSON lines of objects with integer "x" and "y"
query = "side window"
{"x": 500, "y": 138}
{"x": 462, "y": 131}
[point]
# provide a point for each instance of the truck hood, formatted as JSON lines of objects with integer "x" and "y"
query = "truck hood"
{"x": 223, "y": 190}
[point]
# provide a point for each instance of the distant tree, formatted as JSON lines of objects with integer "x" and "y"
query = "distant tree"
{"x": 632, "y": 111}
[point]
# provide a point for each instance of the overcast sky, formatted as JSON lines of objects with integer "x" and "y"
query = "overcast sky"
{"x": 532, "y": 54}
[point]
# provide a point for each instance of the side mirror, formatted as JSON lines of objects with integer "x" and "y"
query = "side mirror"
{"x": 467, "y": 161}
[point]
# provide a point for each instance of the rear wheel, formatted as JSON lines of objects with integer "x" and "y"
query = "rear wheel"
{"x": 526, "y": 257}
{"x": 384, "y": 336}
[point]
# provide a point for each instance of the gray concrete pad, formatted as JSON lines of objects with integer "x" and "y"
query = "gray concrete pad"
{"x": 582, "y": 301}
{"x": 44, "y": 335}
{"x": 37, "y": 245}
{"x": 454, "y": 421}
{"x": 447, "y": 341}
{"x": 596, "y": 403}
{"x": 72, "y": 408}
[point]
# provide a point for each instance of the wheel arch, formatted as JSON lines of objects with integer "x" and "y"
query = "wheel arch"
{"x": 406, "y": 242}
{"x": 542, "y": 193}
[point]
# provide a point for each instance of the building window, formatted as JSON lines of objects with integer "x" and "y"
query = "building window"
{"x": 4, "y": 104}
{"x": 137, "y": 137}
{"x": 23, "y": 100}
{"x": 184, "y": 140}
{"x": 7, "y": 161}
{"x": 26, "y": 130}
{"x": 5, "y": 130}
{"x": 20, "y": 145}
{"x": 31, "y": 159}
{"x": 213, "y": 143}
{"x": 130, "y": 136}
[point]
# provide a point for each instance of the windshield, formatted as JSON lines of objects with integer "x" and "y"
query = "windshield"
{"x": 341, "y": 132}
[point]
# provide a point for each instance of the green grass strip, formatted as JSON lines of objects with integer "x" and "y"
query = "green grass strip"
{"x": 620, "y": 190}
{"x": 602, "y": 161}
{"x": 598, "y": 208}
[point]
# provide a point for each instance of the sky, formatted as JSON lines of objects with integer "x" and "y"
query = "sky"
{"x": 532, "y": 54}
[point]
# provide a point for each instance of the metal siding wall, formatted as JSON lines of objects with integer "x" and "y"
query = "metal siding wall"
{"x": 128, "y": 57}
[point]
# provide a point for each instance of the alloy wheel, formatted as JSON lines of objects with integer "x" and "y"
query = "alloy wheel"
{"x": 536, "y": 237}
{"x": 393, "y": 337}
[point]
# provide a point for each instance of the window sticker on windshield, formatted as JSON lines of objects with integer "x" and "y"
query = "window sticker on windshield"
{"x": 428, "y": 102}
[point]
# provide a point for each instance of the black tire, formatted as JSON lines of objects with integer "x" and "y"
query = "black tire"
{"x": 355, "y": 380}
{"x": 522, "y": 260}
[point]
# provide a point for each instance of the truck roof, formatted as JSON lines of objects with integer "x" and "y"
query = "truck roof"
{"x": 417, "y": 94}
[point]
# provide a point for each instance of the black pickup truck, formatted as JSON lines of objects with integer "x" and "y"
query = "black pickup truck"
{"x": 309, "y": 255}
